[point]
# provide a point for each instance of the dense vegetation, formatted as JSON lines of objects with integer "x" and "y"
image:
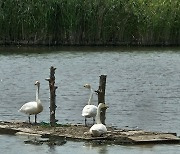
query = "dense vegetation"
{"x": 88, "y": 22}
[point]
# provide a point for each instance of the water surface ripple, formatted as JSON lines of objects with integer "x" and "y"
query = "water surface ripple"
{"x": 143, "y": 86}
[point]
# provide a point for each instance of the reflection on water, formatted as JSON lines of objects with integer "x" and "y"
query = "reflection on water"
{"x": 143, "y": 88}
{"x": 100, "y": 148}
{"x": 15, "y": 144}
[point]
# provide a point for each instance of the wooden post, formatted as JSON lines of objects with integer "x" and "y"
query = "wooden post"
{"x": 101, "y": 96}
{"x": 52, "y": 96}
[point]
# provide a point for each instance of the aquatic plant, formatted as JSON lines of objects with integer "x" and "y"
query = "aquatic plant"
{"x": 142, "y": 22}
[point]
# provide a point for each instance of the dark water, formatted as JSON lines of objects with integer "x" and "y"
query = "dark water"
{"x": 14, "y": 145}
{"x": 143, "y": 91}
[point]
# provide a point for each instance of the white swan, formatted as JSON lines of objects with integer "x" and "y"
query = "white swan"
{"x": 89, "y": 111}
{"x": 34, "y": 107}
{"x": 98, "y": 129}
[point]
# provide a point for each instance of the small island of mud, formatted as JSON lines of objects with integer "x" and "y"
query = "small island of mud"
{"x": 78, "y": 132}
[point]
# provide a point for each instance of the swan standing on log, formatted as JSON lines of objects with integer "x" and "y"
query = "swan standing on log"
{"x": 35, "y": 107}
{"x": 89, "y": 111}
{"x": 98, "y": 129}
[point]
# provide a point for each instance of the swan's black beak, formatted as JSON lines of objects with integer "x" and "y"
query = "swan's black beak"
{"x": 106, "y": 106}
{"x": 87, "y": 86}
{"x": 96, "y": 92}
{"x": 37, "y": 83}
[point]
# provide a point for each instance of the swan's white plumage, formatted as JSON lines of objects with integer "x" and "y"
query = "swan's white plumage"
{"x": 89, "y": 111}
{"x": 34, "y": 107}
{"x": 98, "y": 129}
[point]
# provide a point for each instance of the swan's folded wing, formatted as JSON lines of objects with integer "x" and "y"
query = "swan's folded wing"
{"x": 29, "y": 108}
{"x": 98, "y": 129}
{"x": 89, "y": 110}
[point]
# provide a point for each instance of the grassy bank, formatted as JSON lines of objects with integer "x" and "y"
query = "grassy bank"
{"x": 83, "y": 22}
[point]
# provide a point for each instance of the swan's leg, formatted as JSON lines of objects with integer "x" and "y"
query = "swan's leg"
{"x": 35, "y": 118}
{"x": 93, "y": 120}
{"x": 85, "y": 121}
{"x": 29, "y": 118}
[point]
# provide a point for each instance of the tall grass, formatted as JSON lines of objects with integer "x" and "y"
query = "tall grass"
{"x": 88, "y": 22}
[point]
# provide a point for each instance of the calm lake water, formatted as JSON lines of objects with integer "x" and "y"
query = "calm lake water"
{"x": 142, "y": 92}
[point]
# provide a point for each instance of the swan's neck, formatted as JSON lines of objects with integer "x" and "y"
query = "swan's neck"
{"x": 90, "y": 97}
{"x": 37, "y": 93}
{"x": 98, "y": 120}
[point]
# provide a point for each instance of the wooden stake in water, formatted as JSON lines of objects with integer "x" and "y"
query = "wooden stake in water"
{"x": 52, "y": 96}
{"x": 101, "y": 96}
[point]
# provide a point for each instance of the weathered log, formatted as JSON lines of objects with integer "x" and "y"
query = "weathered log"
{"x": 101, "y": 96}
{"x": 52, "y": 88}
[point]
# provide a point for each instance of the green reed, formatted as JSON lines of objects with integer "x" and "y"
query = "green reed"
{"x": 84, "y": 22}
